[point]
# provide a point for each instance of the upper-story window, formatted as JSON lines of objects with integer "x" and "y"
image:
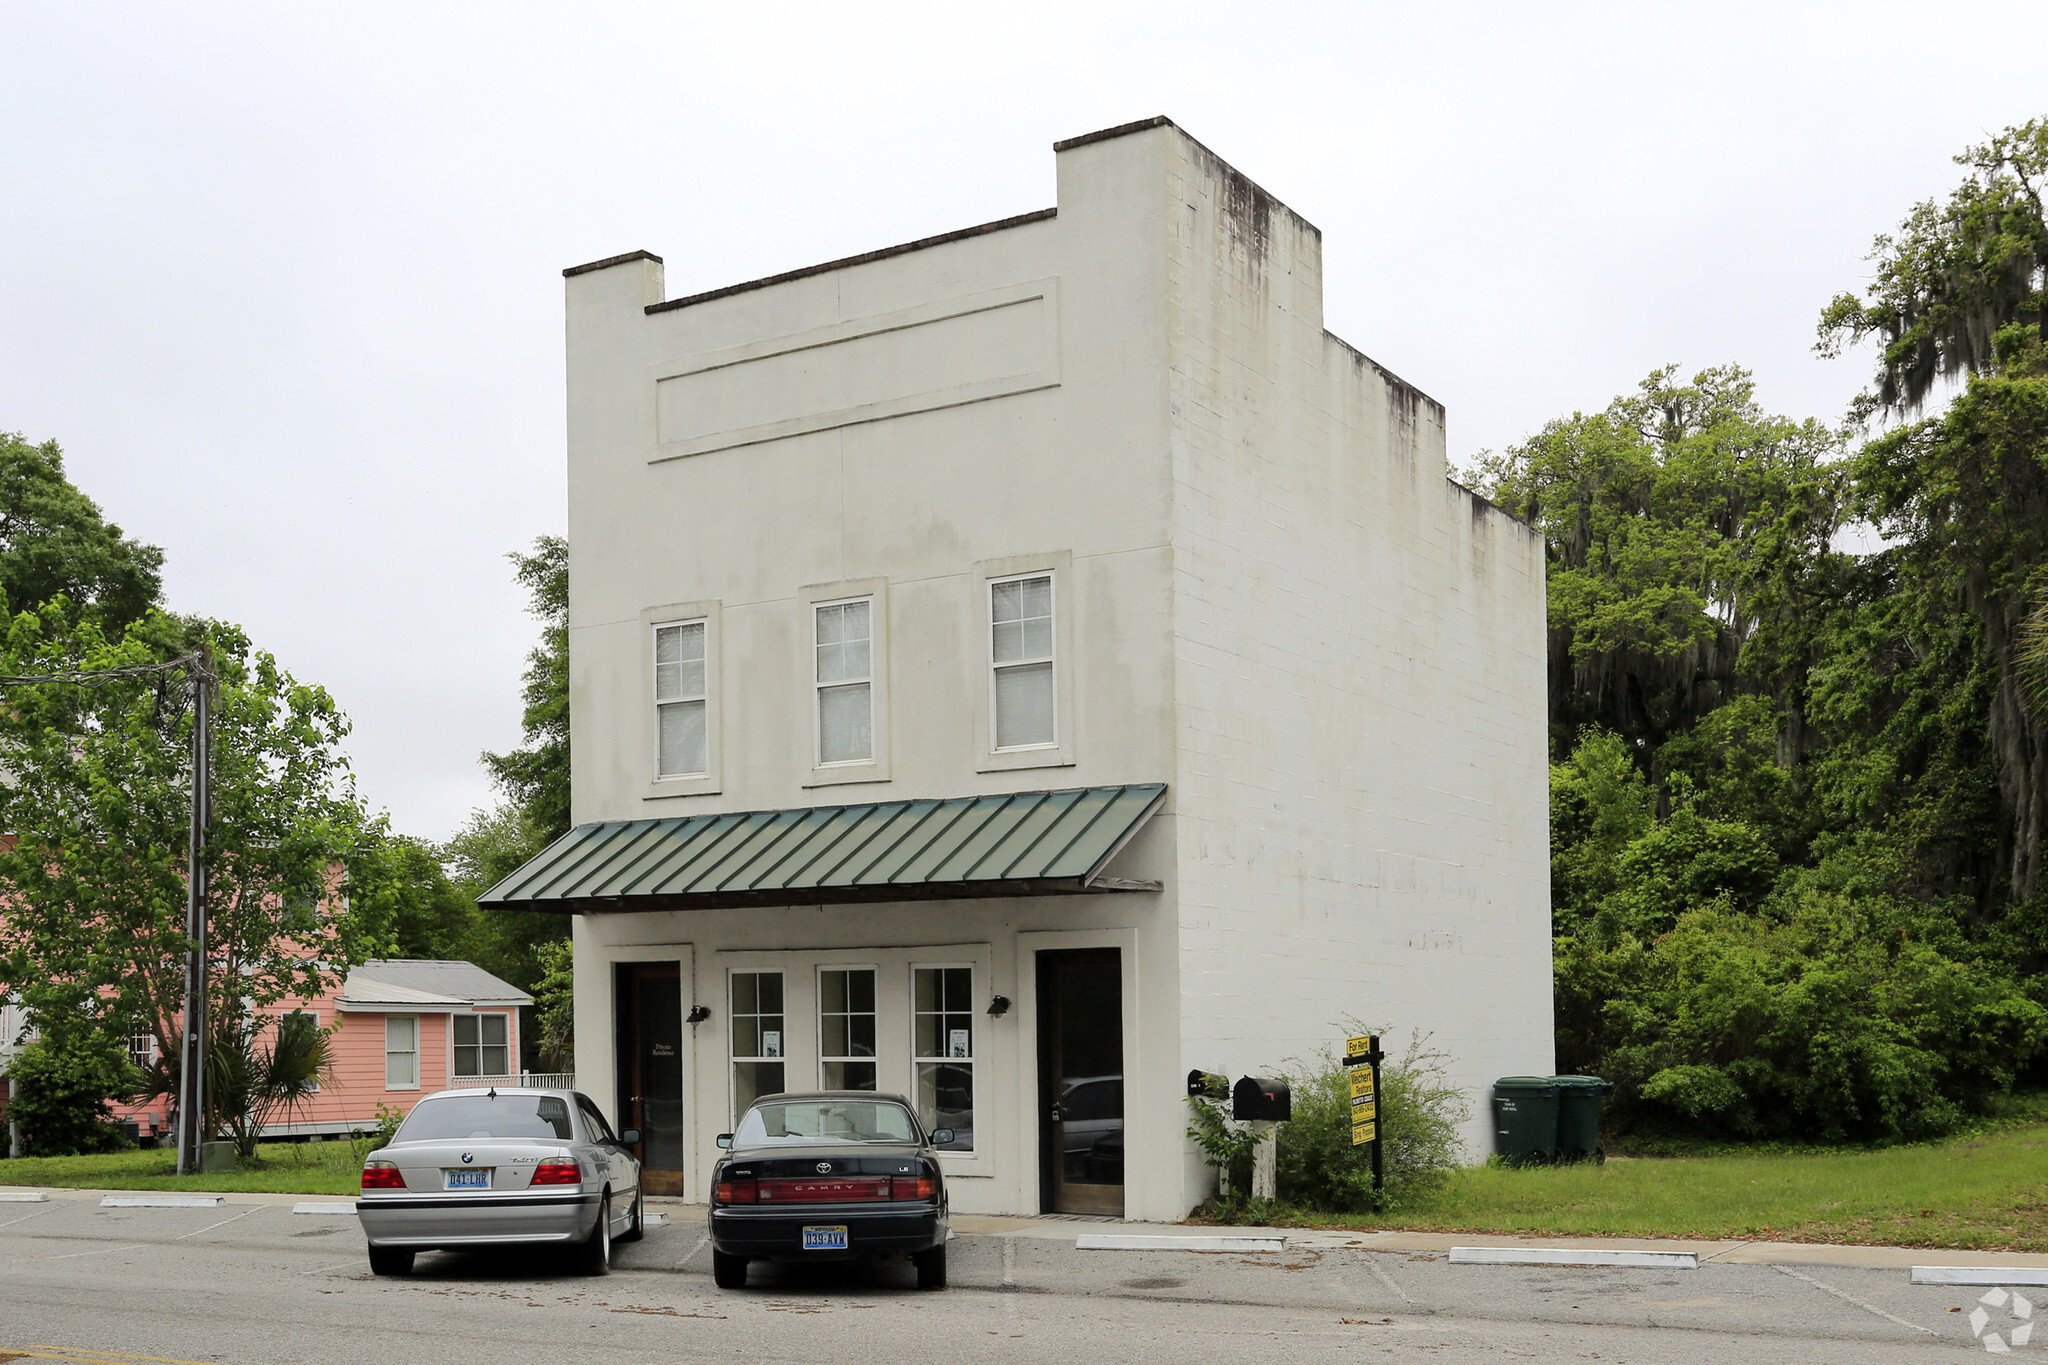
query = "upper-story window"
{"x": 1021, "y": 661}
{"x": 679, "y": 684}
{"x": 843, "y": 646}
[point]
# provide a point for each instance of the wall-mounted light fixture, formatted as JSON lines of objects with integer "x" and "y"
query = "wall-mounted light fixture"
{"x": 698, "y": 1015}
{"x": 999, "y": 1007}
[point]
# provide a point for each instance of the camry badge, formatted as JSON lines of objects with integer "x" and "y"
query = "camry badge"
{"x": 823, "y": 1167}
{"x": 467, "y": 1158}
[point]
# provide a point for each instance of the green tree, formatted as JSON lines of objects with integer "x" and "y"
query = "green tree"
{"x": 1955, "y": 277}
{"x": 55, "y": 543}
{"x": 487, "y": 849}
{"x": 99, "y": 800}
{"x": 428, "y": 914}
{"x": 63, "y": 1083}
{"x": 537, "y": 776}
{"x": 1682, "y": 525}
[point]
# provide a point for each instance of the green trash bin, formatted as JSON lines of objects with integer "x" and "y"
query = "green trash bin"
{"x": 1525, "y": 1119}
{"x": 1578, "y": 1117}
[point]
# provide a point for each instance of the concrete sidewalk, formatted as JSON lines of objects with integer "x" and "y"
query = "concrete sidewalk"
{"x": 1305, "y": 1239}
{"x": 1438, "y": 1243}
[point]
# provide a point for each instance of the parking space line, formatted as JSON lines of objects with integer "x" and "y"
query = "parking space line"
{"x": 1851, "y": 1298}
{"x": 103, "y": 1251}
{"x": 26, "y": 1216}
{"x": 338, "y": 1265}
{"x": 221, "y": 1224}
{"x": 78, "y": 1353}
{"x": 1372, "y": 1263}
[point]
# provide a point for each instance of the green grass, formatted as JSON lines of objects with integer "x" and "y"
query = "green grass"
{"x": 280, "y": 1168}
{"x": 1986, "y": 1190}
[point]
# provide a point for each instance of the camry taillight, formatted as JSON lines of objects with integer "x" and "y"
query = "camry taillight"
{"x": 736, "y": 1192}
{"x": 557, "y": 1172}
{"x": 382, "y": 1175}
{"x": 913, "y": 1187}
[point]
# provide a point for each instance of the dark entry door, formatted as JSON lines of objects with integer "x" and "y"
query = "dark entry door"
{"x": 1081, "y": 1081}
{"x": 649, "y": 1007}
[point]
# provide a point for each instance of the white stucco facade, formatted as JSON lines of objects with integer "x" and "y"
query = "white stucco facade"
{"x": 1266, "y": 595}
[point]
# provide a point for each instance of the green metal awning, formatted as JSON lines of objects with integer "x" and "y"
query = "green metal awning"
{"x": 1019, "y": 844}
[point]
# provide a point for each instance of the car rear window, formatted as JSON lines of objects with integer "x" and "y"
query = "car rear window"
{"x": 461, "y": 1117}
{"x": 799, "y": 1121}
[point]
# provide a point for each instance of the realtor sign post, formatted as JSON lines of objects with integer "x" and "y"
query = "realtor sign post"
{"x": 1362, "y": 1058}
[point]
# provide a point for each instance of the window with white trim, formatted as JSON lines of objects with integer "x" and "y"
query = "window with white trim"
{"x": 942, "y": 1045}
{"x": 401, "y": 1052}
{"x": 141, "y": 1046}
{"x": 679, "y": 697}
{"x": 846, "y": 1028}
{"x": 481, "y": 1047}
{"x": 757, "y": 1038}
{"x": 1021, "y": 682}
{"x": 843, "y": 649}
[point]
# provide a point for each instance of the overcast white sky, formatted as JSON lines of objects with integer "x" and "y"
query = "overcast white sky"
{"x": 285, "y": 280}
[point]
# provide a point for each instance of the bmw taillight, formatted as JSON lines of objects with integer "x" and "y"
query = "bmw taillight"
{"x": 382, "y": 1175}
{"x": 736, "y": 1192}
{"x": 558, "y": 1172}
{"x": 913, "y": 1187}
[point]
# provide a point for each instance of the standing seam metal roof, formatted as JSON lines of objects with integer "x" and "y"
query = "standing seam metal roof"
{"x": 1020, "y": 843}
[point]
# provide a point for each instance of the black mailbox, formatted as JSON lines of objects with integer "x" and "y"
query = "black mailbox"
{"x": 1254, "y": 1097}
{"x": 1208, "y": 1085}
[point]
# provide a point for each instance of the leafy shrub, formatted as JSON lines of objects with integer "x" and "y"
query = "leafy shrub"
{"x": 1420, "y": 1114}
{"x": 62, "y": 1088}
{"x": 1836, "y": 1018}
{"x": 1315, "y": 1165}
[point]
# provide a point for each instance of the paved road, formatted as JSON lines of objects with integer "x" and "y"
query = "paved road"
{"x": 256, "y": 1283}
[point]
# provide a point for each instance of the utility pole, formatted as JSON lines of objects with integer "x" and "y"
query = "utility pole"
{"x": 192, "y": 1064}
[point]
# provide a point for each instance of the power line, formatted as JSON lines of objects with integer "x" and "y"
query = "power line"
{"x": 94, "y": 677}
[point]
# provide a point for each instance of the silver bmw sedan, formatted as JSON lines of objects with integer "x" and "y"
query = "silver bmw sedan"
{"x": 476, "y": 1168}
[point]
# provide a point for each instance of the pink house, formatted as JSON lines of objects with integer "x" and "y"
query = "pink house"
{"x": 401, "y": 1028}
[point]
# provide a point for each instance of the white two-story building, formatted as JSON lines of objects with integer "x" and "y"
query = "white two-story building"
{"x": 1014, "y": 668}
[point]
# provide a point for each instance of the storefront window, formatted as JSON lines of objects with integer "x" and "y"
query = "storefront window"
{"x": 943, "y": 1036}
{"x": 846, "y": 1028}
{"x": 757, "y": 1037}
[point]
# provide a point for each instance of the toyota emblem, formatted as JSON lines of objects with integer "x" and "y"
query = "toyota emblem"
{"x": 467, "y": 1158}
{"x": 823, "y": 1167}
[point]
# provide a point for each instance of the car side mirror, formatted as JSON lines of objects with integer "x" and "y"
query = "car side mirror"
{"x": 725, "y": 1140}
{"x": 629, "y": 1137}
{"x": 941, "y": 1136}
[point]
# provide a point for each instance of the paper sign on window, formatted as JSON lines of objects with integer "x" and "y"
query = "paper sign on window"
{"x": 956, "y": 1043}
{"x": 771, "y": 1043}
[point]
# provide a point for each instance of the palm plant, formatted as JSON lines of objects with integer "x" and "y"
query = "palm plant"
{"x": 251, "y": 1083}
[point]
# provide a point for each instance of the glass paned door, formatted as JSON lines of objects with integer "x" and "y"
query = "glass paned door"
{"x": 649, "y": 1003}
{"x": 1081, "y": 1082}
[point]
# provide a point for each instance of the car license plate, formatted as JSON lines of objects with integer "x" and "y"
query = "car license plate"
{"x": 825, "y": 1238}
{"x": 469, "y": 1180}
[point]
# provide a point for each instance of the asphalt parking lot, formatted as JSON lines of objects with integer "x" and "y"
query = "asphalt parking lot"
{"x": 257, "y": 1282}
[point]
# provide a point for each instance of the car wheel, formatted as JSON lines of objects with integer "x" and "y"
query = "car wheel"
{"x": 390, "y": 1261}
{"x": 639, "y": 1227}
{"x": 594, "y": 1257}
{"x": 931, "y": 1267}
{"x": 728, "y": 1272}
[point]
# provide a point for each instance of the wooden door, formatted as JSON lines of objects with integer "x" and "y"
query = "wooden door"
{"x": 649, "y": 1006}
{"x": 1081, "y": 1081}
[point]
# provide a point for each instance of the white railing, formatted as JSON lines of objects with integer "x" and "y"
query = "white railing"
{"x": 536, "y": 1080}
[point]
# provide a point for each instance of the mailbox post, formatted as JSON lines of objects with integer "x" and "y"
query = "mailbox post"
{"x": 1362, "y": 1057}
{"x": 1264, "y": 1104}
